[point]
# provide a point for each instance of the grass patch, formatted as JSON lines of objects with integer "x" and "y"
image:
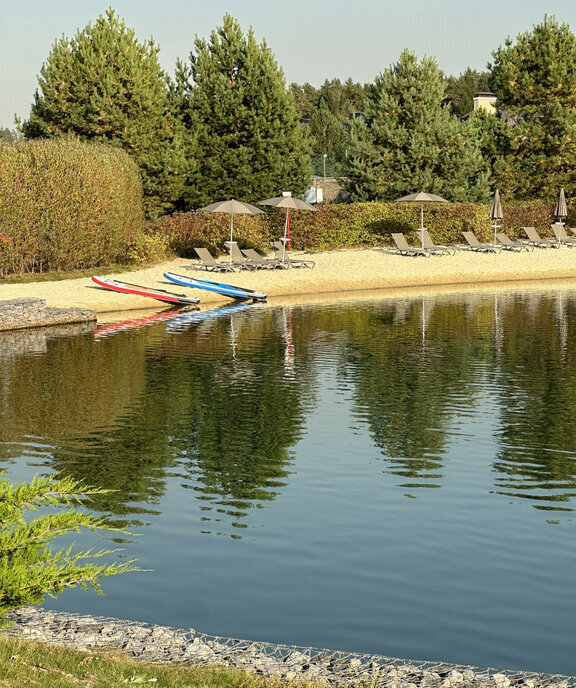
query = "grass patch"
{"x": 26, "y": 663}
{"x": 58, "y": 275}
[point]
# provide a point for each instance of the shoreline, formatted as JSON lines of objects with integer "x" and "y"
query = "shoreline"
{"x": 337, "y": 275}
{"x": 156, "y": 644}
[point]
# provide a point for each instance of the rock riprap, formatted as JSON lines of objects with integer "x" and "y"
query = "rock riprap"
{"x": 161, "y": 644}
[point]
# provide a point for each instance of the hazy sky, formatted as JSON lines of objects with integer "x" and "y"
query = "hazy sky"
{"x": 312, "y": 41}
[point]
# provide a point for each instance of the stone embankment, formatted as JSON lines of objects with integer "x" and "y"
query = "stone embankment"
{"x": 160, "y": 644}
{"x": 18, "y": 314}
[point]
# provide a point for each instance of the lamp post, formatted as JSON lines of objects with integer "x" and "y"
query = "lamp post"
{"x": 324, "y": 157}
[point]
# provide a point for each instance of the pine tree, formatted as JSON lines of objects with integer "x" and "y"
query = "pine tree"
{"x": 535, "y": 79}
{"x": 244, "y": 137}
{"x": 29, "y": 569}
{"x": 460, "y": 90}
{"x": 493, "y": 136}
{"x": 306, "y": 98}
{"x": 104, "y": 85}
{"x": 410, "y": 142}
{"x": 329, "y": 137}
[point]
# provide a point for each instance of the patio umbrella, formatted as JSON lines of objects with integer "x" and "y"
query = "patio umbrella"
{"x": 561, "y": 211}
{"x": 496, "y": 213}
{"x": 232, "y": 206}
{"x": 421, "y": 197}
{"x": 287, "y": 202}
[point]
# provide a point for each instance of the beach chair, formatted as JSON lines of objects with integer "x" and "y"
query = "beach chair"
{"x": 561, "y": 236}
{"x": 536, "y": 240}
{"x": 239, "y": 260}
{"x": 475, "y": 245}
{"x": 403, "y": 248}
{"x": 433, "y": 248}
{"x": 259, "y": 262}
{"x": 283, "y": 256}
{"x": 208, "y": 262}
{"x": 512, "y": 245}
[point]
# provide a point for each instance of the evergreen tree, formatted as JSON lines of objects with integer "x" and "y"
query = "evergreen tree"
{"x": 341, "y": 99}
{"x": 306, "y": 98}
{"x": 330, "y": 137}
{"x": 8, "y": 135}
{"x": 411, "y": 142}
{"x": 29, "y": 569}
{"x": 244, "y": 137}
{"x": 105, "y": 85}
{"x": 493, "y": 136}
{"x": 535, "y": 79}
{"x": 460, "y": 90}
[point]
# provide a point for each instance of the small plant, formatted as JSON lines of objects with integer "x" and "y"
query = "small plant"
{"x": 29, "y": 569}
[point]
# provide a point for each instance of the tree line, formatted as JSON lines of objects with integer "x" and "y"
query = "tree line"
{"x": 227, "y": 125}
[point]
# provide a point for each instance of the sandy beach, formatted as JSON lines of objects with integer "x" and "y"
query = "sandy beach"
{"x": 336, "y": 275}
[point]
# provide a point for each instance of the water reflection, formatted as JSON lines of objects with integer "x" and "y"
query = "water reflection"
{"x": 218, "y": 400}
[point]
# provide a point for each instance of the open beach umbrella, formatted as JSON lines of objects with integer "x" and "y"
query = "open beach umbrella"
{"x": 496, "y": 213}
{"x": 232, "y": 206}
{"x": 421, "y": 197}
{"x": 287, "y": 202}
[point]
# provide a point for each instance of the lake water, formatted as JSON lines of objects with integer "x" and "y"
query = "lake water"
{"x": 394, "y": 476}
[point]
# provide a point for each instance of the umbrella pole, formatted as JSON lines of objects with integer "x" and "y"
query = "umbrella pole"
{"x": 422, "y": 223}
{"x": 231, "y": 234}
{"x": 284, "y": 243}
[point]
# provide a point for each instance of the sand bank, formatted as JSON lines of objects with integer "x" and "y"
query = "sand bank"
{"x": 337, "y": 275}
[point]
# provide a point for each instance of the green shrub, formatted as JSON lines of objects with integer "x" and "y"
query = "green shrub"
{"x": 353, "y": 225}
{"x": 66, "y": 204}
{"x": 184, "y": 231}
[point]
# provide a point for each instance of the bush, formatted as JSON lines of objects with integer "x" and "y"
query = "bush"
{"x": 354, "y": 225}
{"x": 66, "y": 204}
{"x": 29, "y": 569}
{"x": 184, "y": 231}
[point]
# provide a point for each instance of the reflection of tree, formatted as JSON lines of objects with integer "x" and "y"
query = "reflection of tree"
{"x": 537, "y": 460}
{"x": 244, "y": 414}
{"x": 411, "y": 360}
{"x": 119, "y": 412}
{"x": 219, "y": 403}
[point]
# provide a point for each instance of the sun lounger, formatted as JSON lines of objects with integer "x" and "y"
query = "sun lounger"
{"x": 239, "y": 260}
{"x": 210, "y": 263}
{"x": 475, "y": 245}
{"x": 403, "y": 248}
{"x": 512, "y": 245}
{"x": 433, "y": 248}
{"x": 283, "y": 256}
{"x": 258, "y": 261}
{"x": 536, "y": 240}
{"x": 561, "y": 236}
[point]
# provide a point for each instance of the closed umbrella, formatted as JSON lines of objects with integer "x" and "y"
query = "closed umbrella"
{"x": 561, "y": 210}
{"x": 496, "y": 213}
{"x": 421, "y": 197}
{"x": 560, "y": 213}
{"x": 232, "y": 206}
{"x": 287, "y": 202}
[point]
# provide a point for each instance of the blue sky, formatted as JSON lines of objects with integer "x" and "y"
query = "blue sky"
{"x": 312, "y": 40}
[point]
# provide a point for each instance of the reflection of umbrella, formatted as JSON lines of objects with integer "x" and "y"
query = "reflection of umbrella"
{"x": 287, "y": 202}
{"x": 421, "y": 197}
{"x": 561, "y": 211}
{"x": 496, "y": 213}
{"x": 232, "y": 207}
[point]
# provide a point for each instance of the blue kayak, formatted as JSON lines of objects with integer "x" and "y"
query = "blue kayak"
{"x": 224, "y": 289}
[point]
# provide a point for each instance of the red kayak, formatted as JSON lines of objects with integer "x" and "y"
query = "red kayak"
{"x": 160, "y": 294}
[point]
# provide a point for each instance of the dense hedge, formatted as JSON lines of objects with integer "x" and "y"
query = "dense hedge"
{"x": 65, "y": 204}
{"x": 351, "y": 225}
